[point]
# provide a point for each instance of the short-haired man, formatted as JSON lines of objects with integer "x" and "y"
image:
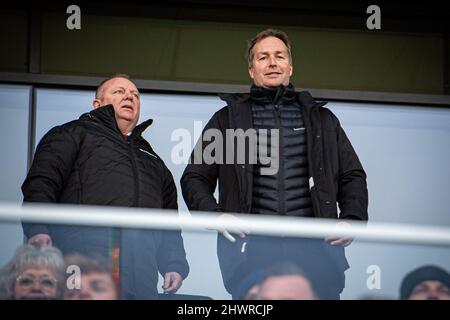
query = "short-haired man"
{"x": 313, "y": 167}
{"x": 102, "y": 159}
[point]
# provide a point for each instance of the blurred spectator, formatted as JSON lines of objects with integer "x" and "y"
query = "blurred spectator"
{"x": 96, "y": 282}
{"x": 282, "y": 281}
{"x": 426, "y": 283}
{"x": 249, "y": 286}
{"x": 285, "y": 281}
{"x": 317, "y": 260}
{"x": 33, "y": 273}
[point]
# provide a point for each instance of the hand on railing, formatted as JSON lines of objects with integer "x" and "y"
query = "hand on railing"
{"x": 343, "y": 241}
{"x": 227, "y": 234}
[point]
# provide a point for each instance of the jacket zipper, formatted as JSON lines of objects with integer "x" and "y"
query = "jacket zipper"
{"x": 135, "y": 173}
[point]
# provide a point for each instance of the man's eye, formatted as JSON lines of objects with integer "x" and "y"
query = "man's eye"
{"x": 420, "y": 290}
{"x": 98, "y": 287}
{"x": 444, "y": 290}
{"x": 118, "y": 91}
{"x": 262, "y": 58}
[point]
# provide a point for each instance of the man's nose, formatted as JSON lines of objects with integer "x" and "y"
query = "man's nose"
{"x": 272, "y": 61}
{"x": 84, "y": 294}
{"x": 433, "y": 295}
{"x": 129, "y": 95}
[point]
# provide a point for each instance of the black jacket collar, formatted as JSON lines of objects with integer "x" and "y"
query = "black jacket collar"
{"x": 303, "y": 97}
{"x": 105, "y": 115}
{"x": 239, "y": 104}
{"x": 279, "y": 95}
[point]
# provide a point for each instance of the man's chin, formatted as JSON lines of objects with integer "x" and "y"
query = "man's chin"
{"x": 272, "y": 85}
{"x": 125, "y": 111}
{"x": 127, "y": 115}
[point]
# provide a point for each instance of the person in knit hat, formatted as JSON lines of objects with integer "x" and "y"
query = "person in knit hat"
{"x": 426, "y": 283}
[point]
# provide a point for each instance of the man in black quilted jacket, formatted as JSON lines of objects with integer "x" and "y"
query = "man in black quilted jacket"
{"x": 305, "y": 165}
{"x": 102, "y": 159}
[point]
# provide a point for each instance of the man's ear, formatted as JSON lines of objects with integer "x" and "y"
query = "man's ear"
{"x": 250, "y": 72}
{"x": 96, "y": 103}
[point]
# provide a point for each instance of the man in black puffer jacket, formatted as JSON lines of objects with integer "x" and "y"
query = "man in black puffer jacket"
{"x": 313, "y": 167}
{"x": 102, "y": 159}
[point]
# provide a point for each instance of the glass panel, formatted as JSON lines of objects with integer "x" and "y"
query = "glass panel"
{"x": 14, "y": 119}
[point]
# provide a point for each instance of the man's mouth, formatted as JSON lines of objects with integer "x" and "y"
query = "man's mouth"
{"x": 273, "y": 73}
{"x": 127, "y": 106}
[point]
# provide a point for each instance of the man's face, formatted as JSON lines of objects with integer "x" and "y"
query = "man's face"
{"x": 289, "y": 287}
{"x": 93, "y": 286}
{"x": 430, "y": 290}
{"x": 270, "y": 65}
{"x": 124, "y": 96}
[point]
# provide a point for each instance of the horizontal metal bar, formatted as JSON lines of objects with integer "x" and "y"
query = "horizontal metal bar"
{"x": 268, "y": 225}
{"x": 214, "y": 88}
